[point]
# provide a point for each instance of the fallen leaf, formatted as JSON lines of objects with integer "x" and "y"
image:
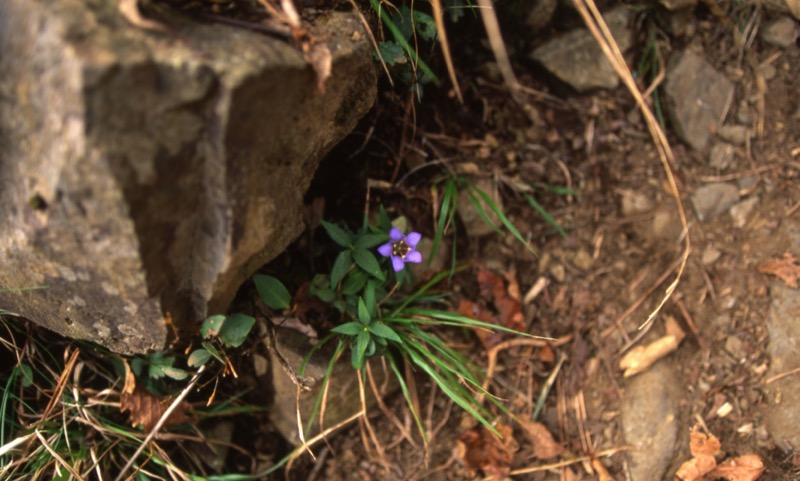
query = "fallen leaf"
{"x": 507, "y": 310}
{"x": 640, "y": 358}
{"x": 786, "y": 268}
{"x": 743, "y": 468}
{"x": 480, "y": 449}
{"x": 130, "y": 10}
{"x": 703, "y": 448}
{"x": 544, "y": 446}
{"x": 146, "y": 409}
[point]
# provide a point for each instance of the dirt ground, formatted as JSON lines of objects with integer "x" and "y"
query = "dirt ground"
{"x": 600, "y": 282}
{"x": 596, "y": 171}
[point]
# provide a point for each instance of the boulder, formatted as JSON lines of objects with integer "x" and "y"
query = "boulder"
{"x": 697, "y": 95}
{"x": 576, "y": 58}
{"x": 145, "y": 175}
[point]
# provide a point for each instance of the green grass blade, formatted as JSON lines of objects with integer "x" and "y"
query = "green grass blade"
{"x": 499, "y": 212}
{"x": 446, "y": 213}
{"x": 545, "y": 215}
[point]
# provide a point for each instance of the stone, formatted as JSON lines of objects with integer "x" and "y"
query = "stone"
{"x": 650, "y": 420}
{"x": 144, "y": 176}
{"x": 740, "y": 212}
{"x": 473, "y": 221}
{"x": 711, "y": 200}
{"x": 735, "y": 348}
{"x": 539, "y": 13}
{"x": 696, "y": 96}
{"x": 721, "y": 156}
{"x": 735, "y": 134}
{"x": 782, "y": 415}
{"x": 710, "y": 255}
{"x": 343, "y": 401}
{"x": 576, "y": 59}
{"x": 787, "y": 6}
{"x": 782, "y": 32}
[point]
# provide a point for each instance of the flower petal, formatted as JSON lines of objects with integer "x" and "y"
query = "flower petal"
{"x": 397, "y": 263}
{"x": 385, "y": 250}
{"x": 413, "y": 238}
{"x": 414, "y": 256}
{"x": 395, "y": 234}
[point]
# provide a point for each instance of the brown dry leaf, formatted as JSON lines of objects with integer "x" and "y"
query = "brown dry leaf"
{"x": 602, "y": 472}
{"x": 786, "y": 268}
{"x": 640, "y": 358}
{"x": 146, "y": 409}
{"x": 544, "y": 446}
{"x": 130, "y": 10}
{"x": 480, "y": 449}
{"x": 743, "y": 468}
{"x": 703, "y": 448}
{"x": 505, "y": 301}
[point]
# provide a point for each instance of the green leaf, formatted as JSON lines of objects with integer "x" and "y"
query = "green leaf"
{"x": 175, "y": 373}
{"x": 354, "y": 282}
{"x": 27, "y": 374}
{"x": 367, "y": 261}
{"x": 446, "y": 213}
{"x": 392, "y": 53}
{"x": 382, "y": 330}
{"x": 362, "y": 341}
{"x": 198, "y": 357}
{"x": 340, "y": 267}
{"x": 235, "y": 330}
{"x": 363, "y": 313}
{"x": 213, "y": 351}
{"x": 159, "y": 364}
{"x": 369, "y": 298}
{"x": 320, "y": 287}
{"x": 272, "y": 292}
{"x": 349, "y": 328}
{"x": 212, "y": 325}
{"x": 425, "y": 25}
{"x": 370, "y": 240}
{"x": 339, "y": 235}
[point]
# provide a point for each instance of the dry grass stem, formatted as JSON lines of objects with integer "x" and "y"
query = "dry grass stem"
{"x": 178, "y": 399}
{"x": 597, "y": 26}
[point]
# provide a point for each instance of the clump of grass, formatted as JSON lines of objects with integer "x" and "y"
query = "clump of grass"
{"x": 60, "y": 414}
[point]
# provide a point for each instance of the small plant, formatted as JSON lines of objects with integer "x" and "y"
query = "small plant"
{"x": 381, "y": 320}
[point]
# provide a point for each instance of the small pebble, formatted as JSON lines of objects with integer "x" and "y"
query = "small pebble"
{"x": 735, "y": 134}
{"x": 782, "y": 33}
{"x": 710, "y": 255}
{"x": 735, "y": 348}
{"x": 558, "y": 272}
{"x": 741, "y": 212}
{"x": 721, "y": 156}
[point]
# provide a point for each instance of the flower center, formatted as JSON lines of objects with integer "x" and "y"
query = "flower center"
{"x": 400, "y": 249}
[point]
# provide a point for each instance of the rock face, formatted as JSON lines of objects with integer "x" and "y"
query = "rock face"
{"x": 696, "y": 96}
{"x": 650, "y": 420}
{"x": 782, "y": 418}
{"x": 575, "y": 58}
{"x": 144, "y": 176}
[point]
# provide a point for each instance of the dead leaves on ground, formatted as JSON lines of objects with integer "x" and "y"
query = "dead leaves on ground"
{"x": 501, "y": 307}
{"x": 786, "y": 268}
{"x": 703, "y": 465}
{"x": 640, "y": 358}
{"x": 481, "y": 450}
{"x": 146, "y": 409}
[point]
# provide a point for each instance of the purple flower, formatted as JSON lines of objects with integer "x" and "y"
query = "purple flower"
{"x": 401, "y": 248}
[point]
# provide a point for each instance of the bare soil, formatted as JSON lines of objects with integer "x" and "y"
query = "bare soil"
{"x": 623, "y": 244}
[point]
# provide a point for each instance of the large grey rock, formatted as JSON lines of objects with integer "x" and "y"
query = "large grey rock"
{"x": 144, "y": 176}
{"x": 650, "y": 420}
{"x": 711, "y": 200}
{"x": 696, "y": 95}
{"x": 782, "y": 416}
{"x": 576, "y": 59}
